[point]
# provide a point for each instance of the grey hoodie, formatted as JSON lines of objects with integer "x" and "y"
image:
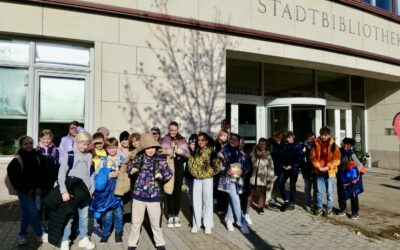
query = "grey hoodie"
{"x": 80, "y": 169}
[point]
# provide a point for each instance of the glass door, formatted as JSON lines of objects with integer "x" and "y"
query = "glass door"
{"x": 339, "y": 121}
{"x": 278, "y": 119}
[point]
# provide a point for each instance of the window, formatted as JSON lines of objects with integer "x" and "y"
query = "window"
{"x": 382, "y": 4}
{"x": 13, "y": 108}
{"x": 328, "y": 83}
{"x": 243, "y": 77}
{"x": 44, "y": 92}
{"x": 398, "y": 7}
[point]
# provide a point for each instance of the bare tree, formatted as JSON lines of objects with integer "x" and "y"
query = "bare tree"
{"x": 193, "y": 87}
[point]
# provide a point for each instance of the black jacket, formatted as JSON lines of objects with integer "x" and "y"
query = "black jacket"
{"x": 61, "y": 211}
{"x": 30, "y": 176}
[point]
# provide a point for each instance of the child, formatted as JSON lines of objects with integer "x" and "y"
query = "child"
{"x": 98, "y": 151}
{"x": 349, "y": 182}
{"x": 123, "y": 149}
{"x": 325, "y": 159}
{"x": 234, "y": 167}
{"x": 105, "y": 203}
{"x": 50, "y": 154}
{"x": 308, "y": 173}
{"x": 294, "y": 158}
{"x": 133, "y": 141}
{"x": 151, "y": 169}
{"x": 81, "y": 168}
{"x": 262, "y": 177}
{"x": 25, "y": 174}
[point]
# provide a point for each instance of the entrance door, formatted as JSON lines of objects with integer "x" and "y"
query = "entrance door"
{"x": 306, "y": 119}
{"x": 278, "y": 119}
{"x": 339, "y": 121}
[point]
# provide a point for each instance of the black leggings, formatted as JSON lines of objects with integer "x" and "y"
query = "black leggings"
{"x": 353, "y": 199}
{"x": 174, "y": 199}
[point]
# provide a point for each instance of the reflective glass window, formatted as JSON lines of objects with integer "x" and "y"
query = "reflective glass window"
{"x": 14, "y": 51}
{"x": 62, "y": 54}
{"x": 13, "y": 108}
{"x": 243, "y": 77}
{"x": 288, "y": 81}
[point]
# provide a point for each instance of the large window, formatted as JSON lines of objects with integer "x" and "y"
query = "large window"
{"x": 45, "y": 89}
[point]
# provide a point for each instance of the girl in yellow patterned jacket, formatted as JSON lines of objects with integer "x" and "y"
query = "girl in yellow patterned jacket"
{"x": 203, "y": 166}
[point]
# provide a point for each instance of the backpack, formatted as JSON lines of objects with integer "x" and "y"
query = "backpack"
{"x": 7, "y": 182}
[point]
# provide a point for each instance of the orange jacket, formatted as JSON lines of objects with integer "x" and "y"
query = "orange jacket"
{"x": 333, "y": 157}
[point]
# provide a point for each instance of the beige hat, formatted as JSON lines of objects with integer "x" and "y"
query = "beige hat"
{"x": 147, "y": 141}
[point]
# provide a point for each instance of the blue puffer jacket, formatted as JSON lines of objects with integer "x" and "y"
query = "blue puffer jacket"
{"x": 103, "y": 197}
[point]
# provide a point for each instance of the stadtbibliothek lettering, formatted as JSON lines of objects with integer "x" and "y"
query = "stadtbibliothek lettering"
{"x": 328, "y": 20}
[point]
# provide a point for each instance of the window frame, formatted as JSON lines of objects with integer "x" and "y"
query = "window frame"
{"x": 35, "y": 70}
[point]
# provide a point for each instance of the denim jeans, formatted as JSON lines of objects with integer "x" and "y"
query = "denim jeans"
{"x": 309, "y": 184}
{"x": 292, "y": 176}
{"x": 83, "y": 224}
{"x": 29, "y": 214}
{"x": 324, "y": 181}
{"x": 107, "y": 221}
{"x": 234, "y": 206}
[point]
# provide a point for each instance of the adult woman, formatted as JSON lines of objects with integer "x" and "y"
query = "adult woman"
{"x": 234, "y": 166}
{"x": 176, "y": 147}
{"x": 203, "y": 166}
{"x": 67, "y": 142}
{"x": 26, "y": 173}
{"x": 263, "y": 174}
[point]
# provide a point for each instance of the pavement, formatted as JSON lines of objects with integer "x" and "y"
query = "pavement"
{"x": 378, "y": 226}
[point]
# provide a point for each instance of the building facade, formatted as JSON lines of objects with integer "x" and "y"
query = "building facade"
{"x": 265, "y": 65}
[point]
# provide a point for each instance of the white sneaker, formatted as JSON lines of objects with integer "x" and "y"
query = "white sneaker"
{"x": 177, "y": 222}
{"x": 207, "y": 230}
{"x": 22, "y": 240}
{"x": 64, "y": 245}
{"x": 42, "y": 239}
{"x": 86, "y": 243}
{"x": 194, "y": 230}
{"x": 229, "y": 225}
{"x": 170, "y": 222}
{"x": 248, "y": 219}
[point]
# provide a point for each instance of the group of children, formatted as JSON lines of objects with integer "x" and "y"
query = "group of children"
{"x": 92, "y": 173}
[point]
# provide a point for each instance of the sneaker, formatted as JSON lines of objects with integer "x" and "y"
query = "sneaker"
{"x": 354, "y": 217}
{"x": 177, "y": 222}
{"x": 22, "y": 240}
{"x": 329, "y": 212}
{"x": 170, "y": 222}
{"x": 318, "y": 211}
{"x": 308, "y": 209}
{"x": 86, "y": 243}
{"x": 284, "y": 206}
{"x": 229, "y": 225}
{"x": 245, "y": 229}
{"x": 260, "y": 211}
{"x": 43, "y": 239}
{"x": 194, "y": 230}
{"x": 131, "y": 248}
{"x": 207, "y": 230}
{"x": 118, "y": 237}
{"x": 160, "y": 248}
{"x": 341, "y": 213}
{"x": 103, "y": 240}
{"x": 248, "y": 219}
{"x": 64, "y": 245}
{"x": 290, "y": 206}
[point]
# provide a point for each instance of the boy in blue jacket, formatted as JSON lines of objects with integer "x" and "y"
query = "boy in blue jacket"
{"x": 105, "y": 203}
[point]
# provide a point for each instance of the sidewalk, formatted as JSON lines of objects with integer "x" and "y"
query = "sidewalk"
{"x": 274, "y": 230}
